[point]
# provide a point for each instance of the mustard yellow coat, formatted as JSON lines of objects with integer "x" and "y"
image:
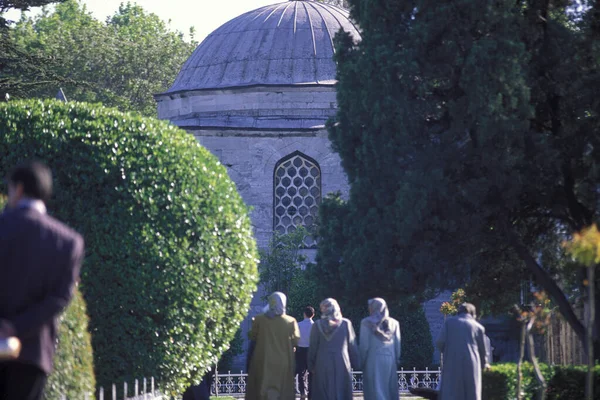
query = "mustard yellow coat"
{"x": 272, "y": 368}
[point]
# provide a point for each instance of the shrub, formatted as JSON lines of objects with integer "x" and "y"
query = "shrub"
{"x": 568, "y": 382}
{"x": 73, "y": 373}
{"x": 417, "y": 344}
{"x": 170, "y": 260}
{"x": 564, "y": 382}
{"x": 236, "y": 347}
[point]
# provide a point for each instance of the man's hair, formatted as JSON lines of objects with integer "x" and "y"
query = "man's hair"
{"x": 36, "y": 179}
{"x": 468, "y": 308}
{"x": 309, "y": 311}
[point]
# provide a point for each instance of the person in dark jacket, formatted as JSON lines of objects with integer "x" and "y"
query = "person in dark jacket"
{"x": 40, "y": 259}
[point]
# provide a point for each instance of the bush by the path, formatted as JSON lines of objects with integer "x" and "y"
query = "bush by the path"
{"x": 170, "y": 258}
{"x": 73, "y": 374}
{"x": 564, "y": 382}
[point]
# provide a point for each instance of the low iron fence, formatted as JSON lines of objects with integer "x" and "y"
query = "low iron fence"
{"x": 235, "y": 384}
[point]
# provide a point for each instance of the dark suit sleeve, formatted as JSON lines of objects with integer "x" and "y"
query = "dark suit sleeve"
{"x": 30, "y": 320}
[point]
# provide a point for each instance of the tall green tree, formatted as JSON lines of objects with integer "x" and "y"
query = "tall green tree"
{"x": 468, "y": 131}
{"x": 121, "y": 62}
{"x": 21, "y": 72}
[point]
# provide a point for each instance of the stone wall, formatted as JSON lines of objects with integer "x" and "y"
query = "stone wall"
{"x": 435, "y": 319}
{"x": 251, "y": 160}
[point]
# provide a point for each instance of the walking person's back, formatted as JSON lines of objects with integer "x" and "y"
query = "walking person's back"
{"x": 40, "y": 259}
{"x": 380, "y": 352}
{"x": 332, "y": 354}
{"x": 271, "y": 368}
{"x": 463, "y": 346}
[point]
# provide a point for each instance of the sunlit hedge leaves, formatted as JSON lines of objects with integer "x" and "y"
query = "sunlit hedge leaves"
{"x": 171, "y": 261}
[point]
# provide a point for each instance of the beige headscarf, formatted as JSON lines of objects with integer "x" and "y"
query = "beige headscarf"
{"x": 277, "y": 303}
{"x": 379, "y": 319}
{"x": 331, "y": 315}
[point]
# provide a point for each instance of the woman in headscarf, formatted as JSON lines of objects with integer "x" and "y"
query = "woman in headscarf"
{"x": 271, "y": 368}
{"x": 331, "y": 354}
{"x": 379, "y": 352}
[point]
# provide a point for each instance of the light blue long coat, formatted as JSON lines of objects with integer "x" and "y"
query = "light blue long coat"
{"x": 462, "y": 342}
{"x": 380, "y": 362}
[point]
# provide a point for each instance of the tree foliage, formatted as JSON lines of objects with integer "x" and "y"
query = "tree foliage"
{"x": 73, "y": 374}
{"x": 121, "y": 62}
{"x": 21, "y": 72}
{"x": 468, "y": 131}
{"x": 170, "y": 258}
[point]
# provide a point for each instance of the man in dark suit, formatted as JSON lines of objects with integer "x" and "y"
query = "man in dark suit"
{"x": 40, "y": 259}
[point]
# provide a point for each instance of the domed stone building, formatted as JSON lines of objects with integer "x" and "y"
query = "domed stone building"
{"x": 257, "y": 93}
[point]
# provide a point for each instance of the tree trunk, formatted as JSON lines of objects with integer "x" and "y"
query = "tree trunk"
{"x": 549, "y": 285}
{"x": 536, "y": 366}
{"x": 520, "y": 362}
{"x": 589, "y": 383}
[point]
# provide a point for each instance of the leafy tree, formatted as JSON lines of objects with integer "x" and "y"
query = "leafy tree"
{"x": 468, "y": 131}
{"x": 280, "y": 262}
{"x": 73, "y": 374}
{"x": 121, "y": 62}
{"x": 170, "y": 258}
{"x": 21, "y": 72}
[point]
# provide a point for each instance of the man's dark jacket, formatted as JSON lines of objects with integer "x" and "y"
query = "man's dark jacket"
{"x": 40, "y": 259}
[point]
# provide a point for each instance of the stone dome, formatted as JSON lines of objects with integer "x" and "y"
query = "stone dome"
{"x": 289, "y": 43}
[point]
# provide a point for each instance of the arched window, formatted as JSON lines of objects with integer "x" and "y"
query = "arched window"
{"x": 297, "y": 194}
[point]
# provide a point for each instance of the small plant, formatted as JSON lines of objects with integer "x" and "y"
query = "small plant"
{"x": 585, "y": 249}
{"x": 456, "y": 299}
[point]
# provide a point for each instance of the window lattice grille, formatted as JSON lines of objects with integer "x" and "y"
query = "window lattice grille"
{"x": 297, "y": 195}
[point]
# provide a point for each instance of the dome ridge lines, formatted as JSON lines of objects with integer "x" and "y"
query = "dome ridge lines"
{"x": 345, "y": 14}
{"x": 273, "y": 45}
{"x": 326, "y": 25}
{"x": 283, "y": 13}
{"x": 295, "y": 15}
{"x": 312, "y": 30}
{"x": 258, "y": 12}
{"x": 273, "y": 12}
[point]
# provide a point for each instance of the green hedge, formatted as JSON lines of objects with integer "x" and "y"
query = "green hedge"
{"x": 563, "y": 382}
{"x": 170, "y": 259}
{"x": 73, "y": 373}
{"x": 569, "y": 383}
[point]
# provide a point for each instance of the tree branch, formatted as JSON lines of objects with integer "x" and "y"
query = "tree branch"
{"x": 548, "y": 284}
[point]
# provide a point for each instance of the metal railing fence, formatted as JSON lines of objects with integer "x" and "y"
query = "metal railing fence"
{"x": 232, "y": 384}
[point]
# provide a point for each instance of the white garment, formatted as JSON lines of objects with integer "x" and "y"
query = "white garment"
{"x": 36, "y": 204}
{"x": 305, "y": 326}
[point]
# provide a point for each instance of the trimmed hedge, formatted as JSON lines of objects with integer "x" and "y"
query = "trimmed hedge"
{"x": 73, "y": 373}
{"x": 170, "y": 259}
{"x": 417, "y": 343}
{"x": 569, "y": 383}
{"x": 564, "y": 382}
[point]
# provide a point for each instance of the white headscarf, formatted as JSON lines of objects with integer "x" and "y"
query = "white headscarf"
{"x": 379, "y": 319}
{"x": 277, "y": 303}
{"x": 332, "y": 316}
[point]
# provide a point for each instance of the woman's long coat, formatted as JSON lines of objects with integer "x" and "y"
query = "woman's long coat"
{"x": 330, "y": 359}
{"x": 380, "y": 360}
{"x": 462, "y": 344}
{"x": 272, "y": 367}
